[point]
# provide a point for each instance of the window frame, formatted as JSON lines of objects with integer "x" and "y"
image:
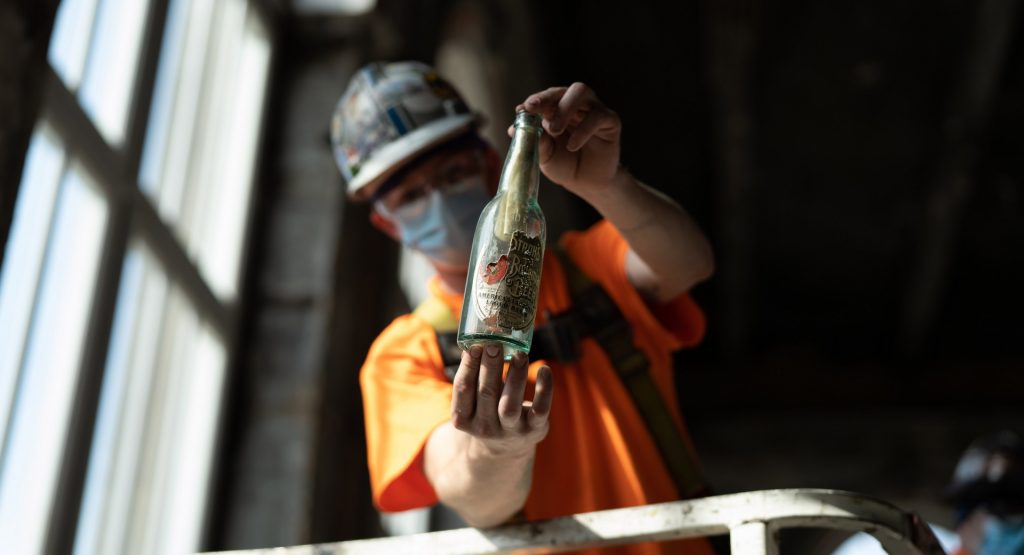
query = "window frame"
{"x": 133, "y": 215}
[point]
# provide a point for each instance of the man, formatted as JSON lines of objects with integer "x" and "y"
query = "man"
{"x": 987, "y": 495}
{"x": 406, "y": 142}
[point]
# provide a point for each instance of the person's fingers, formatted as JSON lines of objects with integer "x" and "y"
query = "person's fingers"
{"x": 543, "y": 393}
{"x": 546, "y": 149}
{"x": 464, "y": 388}
{"x": 544, "y": 102}
{"x": 489, "y": 385}
{"x": 577, "y": 98}
{"x": 603, "y": 123}
{"x": 510, "y": 406}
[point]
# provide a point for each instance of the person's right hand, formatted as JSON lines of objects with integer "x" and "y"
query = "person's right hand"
{"x": 494, "y": 413}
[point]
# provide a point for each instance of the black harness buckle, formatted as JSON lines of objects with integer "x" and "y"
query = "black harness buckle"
{"x": 558, "y": 339}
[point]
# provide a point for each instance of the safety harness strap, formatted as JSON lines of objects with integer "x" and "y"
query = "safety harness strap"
{"x": 441, "y": 318}
{"x": 615, "y": 336}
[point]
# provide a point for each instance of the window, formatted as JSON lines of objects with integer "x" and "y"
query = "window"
{"x": 216, "y": 51}
{"x": 49, "y": 362}
{"x": 121, "y": 273}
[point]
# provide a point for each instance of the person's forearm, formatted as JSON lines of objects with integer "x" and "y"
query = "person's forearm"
{"x": 672, "y": 254}
{"x": 484, "y": 488}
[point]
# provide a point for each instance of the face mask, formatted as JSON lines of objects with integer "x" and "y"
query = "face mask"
{"x": 1003, "y": 537}
{"x": 441, "y": 223}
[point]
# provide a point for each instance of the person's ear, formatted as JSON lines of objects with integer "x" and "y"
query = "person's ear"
{"x": 386, "y": 225}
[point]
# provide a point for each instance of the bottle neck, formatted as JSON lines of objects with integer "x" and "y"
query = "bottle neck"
{"x": 521, "y": 174}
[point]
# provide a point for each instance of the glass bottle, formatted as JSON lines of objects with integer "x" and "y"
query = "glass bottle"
{"x": 508, "y": 248}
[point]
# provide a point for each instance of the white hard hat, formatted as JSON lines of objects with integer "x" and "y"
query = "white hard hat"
{"x": 389, "y": 114}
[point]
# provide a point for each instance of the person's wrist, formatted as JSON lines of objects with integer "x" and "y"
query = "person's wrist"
{"x": 482, "y": 450}
{"x": 609, "y": 191}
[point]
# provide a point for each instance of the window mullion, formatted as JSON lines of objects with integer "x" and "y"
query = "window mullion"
{"x": 85, "y": 399}
{"x": 182, "y": 270}
{"x": 82, "y": 139}
{"x": 144, "y": 84}
{"x": 87, "y": 144}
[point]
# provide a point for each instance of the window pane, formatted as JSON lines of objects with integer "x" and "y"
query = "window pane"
{"x": 333, "y": 7}
{"x": 222, "y": 69}
{"x": 69, "y": 43}
{"x": 127, "y": 385}
{"x": 204, "y": 129}
{"x": 175, "y": 103}
{"x": 222, "y": 230}
{"x": 109, "y": 78}
{"x": 170, "y": 492}
{"x": 197, "y": 414}
{"x": 43, "y": 400}
{"x": 168, "y": 148}
{"x": 23, "y": 259}
{"x": 152, "y": 453}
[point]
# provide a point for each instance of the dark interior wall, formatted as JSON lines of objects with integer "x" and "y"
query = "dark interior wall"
{"x": 849, "y": 108}
{"x": 851, "y": 115}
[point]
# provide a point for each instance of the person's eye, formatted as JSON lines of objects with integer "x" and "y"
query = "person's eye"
{"x": 454, "y": 174}
{"x": 411, "y": 195}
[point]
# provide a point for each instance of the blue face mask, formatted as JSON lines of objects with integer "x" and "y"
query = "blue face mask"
{"x": 442, "y": 222}
{"x": 1003, "y": 537}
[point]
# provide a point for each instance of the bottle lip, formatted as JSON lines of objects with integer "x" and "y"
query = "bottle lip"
{"x": 528, "y": 120}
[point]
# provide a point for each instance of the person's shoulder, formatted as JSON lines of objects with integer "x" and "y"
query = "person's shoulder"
{"x": 406, "y": 337}
{"x": 405, "y": 326}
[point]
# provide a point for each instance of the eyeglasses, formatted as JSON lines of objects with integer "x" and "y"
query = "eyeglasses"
{"x": 437, "y": 172}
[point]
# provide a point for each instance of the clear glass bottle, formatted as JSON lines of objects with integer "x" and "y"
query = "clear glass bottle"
{"x": 505, "y": 264}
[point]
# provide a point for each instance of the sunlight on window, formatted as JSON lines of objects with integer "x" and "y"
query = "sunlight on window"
{"x": 69, "y": 42}
{"x": 200, "y": 151}
{"x": 211, "y": 132}
{"x": 39, "y": 421}
{"x": 109, "y": 80}
{"x": 221, "y": 248}
{"x": 127, "y": 382}
{"x": 176, "y": 100}
{"x": 160, "y": 394}
{"x": 334, "y": 7}
{"x": 23, "y": 258}
{"x": 176, "y": 451}
{"x": 193, "y": 456}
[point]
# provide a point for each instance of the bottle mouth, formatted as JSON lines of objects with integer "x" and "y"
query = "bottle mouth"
{"x": 527, "y": 120}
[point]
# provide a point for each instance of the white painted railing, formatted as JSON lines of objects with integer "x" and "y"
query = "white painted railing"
{"x": 752, "y": 520}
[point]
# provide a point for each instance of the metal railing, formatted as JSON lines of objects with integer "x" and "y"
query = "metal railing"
{"x": 752, "y": 520}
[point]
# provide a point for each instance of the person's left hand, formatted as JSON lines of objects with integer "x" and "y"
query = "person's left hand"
{"x": 580, "y": 150}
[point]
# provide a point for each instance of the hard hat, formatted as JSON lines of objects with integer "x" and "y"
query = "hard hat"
{"x": 990, "y": 474}
{"x": 389, "y": 114}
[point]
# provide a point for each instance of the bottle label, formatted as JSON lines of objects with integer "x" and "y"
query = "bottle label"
{"x": 506, "y": 291}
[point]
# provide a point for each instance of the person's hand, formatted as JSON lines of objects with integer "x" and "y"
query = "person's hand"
{"x": 580, "y": 150}
{"x": 494, "y": 413}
